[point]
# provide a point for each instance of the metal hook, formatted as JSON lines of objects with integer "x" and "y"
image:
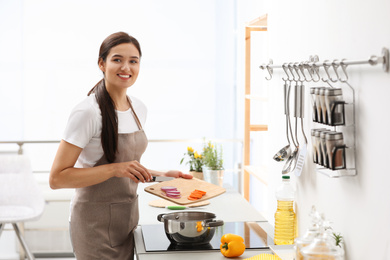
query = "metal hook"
{"x": 335, "y": 65}
{"x": 270, "y": 70}
{"x": 299, "y": 69}
{"x": 284, "y": 66}
{"x": 326, "y": 67}
{"x": 290, "y": 68}
{"x": 302, "y": 69}
{"x": 344, "y": 68}
{"x": 315, "y": 68}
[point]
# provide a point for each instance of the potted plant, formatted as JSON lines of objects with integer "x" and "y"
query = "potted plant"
{"x": 195, "y": 161}
{"x": 213, "y": 163}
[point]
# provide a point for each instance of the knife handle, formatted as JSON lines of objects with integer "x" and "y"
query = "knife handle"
{"x": 176, "y": 207}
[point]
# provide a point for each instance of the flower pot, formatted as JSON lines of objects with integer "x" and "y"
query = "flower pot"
{"x": 198, "y": 175}
{"x": 213, "y": 176}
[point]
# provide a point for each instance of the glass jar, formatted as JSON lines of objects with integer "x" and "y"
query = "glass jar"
{"x": 323, "y": 106}
{"x": 324, "y": 151}
{"x": 321, "y": 249}
{"x": 336, "y": 150}
{"x": 315, "y": 144}
{"x": 318, "y": 104}
{"x": 313, "y": 104}
{"x": 335, "y": 110}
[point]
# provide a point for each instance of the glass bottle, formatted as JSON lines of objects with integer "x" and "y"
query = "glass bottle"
{"x": 285, "y": 215}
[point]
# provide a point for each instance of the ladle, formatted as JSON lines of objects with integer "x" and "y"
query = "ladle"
{"x": 292, "y": 159}
{"x": 285, "y": 152}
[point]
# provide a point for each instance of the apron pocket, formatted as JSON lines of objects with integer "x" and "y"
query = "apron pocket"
{"x": 123, "y": 219}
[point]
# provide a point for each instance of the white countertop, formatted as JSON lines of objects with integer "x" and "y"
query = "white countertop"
{"x": 229, "y": 207}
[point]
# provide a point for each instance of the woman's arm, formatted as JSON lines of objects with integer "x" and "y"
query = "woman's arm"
{"x": 63, "y": 174}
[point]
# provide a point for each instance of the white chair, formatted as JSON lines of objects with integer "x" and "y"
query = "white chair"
{"x": 21, "y": 199}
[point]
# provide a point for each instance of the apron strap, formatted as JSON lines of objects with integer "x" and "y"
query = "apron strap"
{"x": 135, "y": 115}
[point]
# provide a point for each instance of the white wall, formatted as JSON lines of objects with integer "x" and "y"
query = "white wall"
{"x": 49, "y": 49}
{"x": 355, "y": 30}
{"x": 48, "y": 63}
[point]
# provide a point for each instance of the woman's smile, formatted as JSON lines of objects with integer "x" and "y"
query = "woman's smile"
{"x": 124, "y": 76}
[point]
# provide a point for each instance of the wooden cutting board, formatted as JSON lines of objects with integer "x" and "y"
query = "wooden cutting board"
{"x": 186, "y": 186}
{"x": 161, "y": 203}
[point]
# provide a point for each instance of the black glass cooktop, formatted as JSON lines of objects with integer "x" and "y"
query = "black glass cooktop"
{"x": 156, "y": 240}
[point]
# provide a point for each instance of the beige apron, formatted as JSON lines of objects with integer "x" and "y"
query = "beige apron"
{"x": 104, "y": 215}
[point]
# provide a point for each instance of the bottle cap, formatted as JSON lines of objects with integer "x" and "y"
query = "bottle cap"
{"x": 285, "y": 177}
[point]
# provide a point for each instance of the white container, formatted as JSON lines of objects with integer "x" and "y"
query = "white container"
{"x": 213, "y": 176}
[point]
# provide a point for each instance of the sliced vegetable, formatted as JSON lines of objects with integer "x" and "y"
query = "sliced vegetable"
{"x": 168, "y": 188}
{"x": 196, "y": 194}
{"x": 171, "y": 192}
{"x": 176, "y": 192}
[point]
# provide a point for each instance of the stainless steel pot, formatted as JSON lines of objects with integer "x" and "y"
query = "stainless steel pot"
{"x": 189, "y": 227}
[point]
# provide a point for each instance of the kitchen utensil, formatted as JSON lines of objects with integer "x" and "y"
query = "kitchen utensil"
{"x": 292, "y": 159}
{"x": 285, "y": 152}
{"x": 161, "y": 178}
{"x": 189, "y": 227}
{"x": 186, "y": 186}
{"x": 176, "y": 207}
{"x": 300, "y": 105}
{"x": 162, "y": 203}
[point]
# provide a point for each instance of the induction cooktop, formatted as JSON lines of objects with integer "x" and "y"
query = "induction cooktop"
{"x": 156, "y": 240}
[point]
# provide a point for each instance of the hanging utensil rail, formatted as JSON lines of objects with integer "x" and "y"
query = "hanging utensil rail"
{"x": 314, "y": 63}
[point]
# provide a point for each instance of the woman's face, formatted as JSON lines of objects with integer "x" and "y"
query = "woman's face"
{"x": 121, "y": 67}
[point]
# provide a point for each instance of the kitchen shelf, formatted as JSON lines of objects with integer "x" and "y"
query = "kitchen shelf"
{"x": 257, "y": 128}
{"x": 258, "y": 98}
{"x": 260, "y": 172}
{"x": 257, "y": 25}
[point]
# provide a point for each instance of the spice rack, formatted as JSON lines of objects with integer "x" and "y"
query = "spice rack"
{"x": 310, "y": 72}
{"x": 345, "y": 154}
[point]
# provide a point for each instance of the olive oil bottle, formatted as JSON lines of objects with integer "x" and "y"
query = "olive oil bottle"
{"x": 285, "y": 215}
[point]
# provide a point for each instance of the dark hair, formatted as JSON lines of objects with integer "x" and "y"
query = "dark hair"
{"x": 109, "y": 135}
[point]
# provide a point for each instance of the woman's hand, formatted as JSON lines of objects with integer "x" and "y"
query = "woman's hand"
{"x": 133, "y": 170}
{"x": 178, "y": 174}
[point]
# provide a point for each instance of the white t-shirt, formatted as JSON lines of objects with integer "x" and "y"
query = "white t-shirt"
{"x": 85, "y": 126}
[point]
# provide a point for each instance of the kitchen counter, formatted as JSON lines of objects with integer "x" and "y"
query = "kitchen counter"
{"x": 229, "y": 207}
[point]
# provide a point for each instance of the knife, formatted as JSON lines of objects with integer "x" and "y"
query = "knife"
{"x": 161, "y": 178}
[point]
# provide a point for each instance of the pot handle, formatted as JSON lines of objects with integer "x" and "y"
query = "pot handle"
{"x": 160, "y": 217}
{"x": 214, "y": 223}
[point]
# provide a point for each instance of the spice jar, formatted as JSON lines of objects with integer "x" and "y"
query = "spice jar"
{"x": 317, "y": 134}
{"x": 315, "y": 143}
{"x": 313, "y": 103}
{"x": 334, "y": 106}
{"x": 324, "y": 151}
{"x": 323, "y": 105}
{"x": 318, "y": 104}
{"x": 336, "y": 150}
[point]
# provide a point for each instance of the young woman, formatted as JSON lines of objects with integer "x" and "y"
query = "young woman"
{"x": 100, "y": 157}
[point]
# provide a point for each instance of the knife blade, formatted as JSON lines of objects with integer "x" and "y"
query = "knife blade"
{"x": 161, "y": 178}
